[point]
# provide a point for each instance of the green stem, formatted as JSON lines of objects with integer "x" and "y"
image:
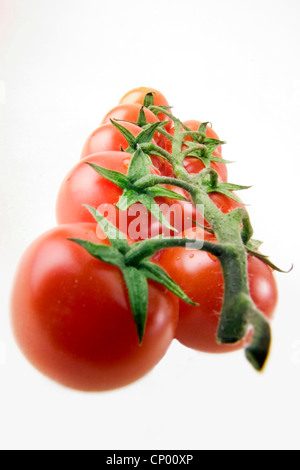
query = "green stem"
{"x": 155, "y": 149}
{"x": 186, "y": 152}
{"x": 237, "y": 304}
{"x": 152, "y": 180}
{"x": 145, "y": 250}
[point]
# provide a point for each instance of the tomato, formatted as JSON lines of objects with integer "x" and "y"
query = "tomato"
{"x": 130, "y": 112}
{"x": 72, "y": 318}
{"x": 84, "y": 186}
{"x": 200, "y": 276}
{"x": 108, "y": 137}
{"x": 194, "y": 165}
{"x": 137, "y": 95}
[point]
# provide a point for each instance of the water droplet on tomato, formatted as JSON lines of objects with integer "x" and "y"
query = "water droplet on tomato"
{"x": 212, "y": 257}
{"x": 126, "y": 162}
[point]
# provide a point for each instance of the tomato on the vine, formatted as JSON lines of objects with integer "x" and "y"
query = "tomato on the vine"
{"x": 108, "y": 138}
{"x": 83, "y": 186}
{"x": 130, "y": 112}
{"x": 200, "y": 276}
{"x": 72, "y": 317}
{"x": 137, "y": 95}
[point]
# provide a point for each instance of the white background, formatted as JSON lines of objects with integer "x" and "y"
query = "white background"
{"x": 63, "y": 65}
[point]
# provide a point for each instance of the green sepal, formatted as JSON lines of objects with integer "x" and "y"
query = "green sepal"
{"x": 128, "y": 198}
{"x": 205, "y": 154}
{"x": 131, "y": 139}
{"x": 117, "y": 239}
{"x": 138, "y": 292}
{"x": 114, "y": 176}
{"x": 213, "y": 158}
{"x": 207, "y": 229}
{"x": 142, "y": 120}
{"x": 148, "y": 132}
{"x": 203, "y": 128}
{"x": 229, "y": 194}
{"x": 150, "y": 204}
{"x": 144, "y": 137}
{"x": 233, "y": 187}
{"x": 210, "y": 142}
{"x": 105, "y": 253}
{"x": 254, "y": 244}
{"x": 156, "y": 273}
{"x": 160, "y": 191}
{"x": 138, "y": 167}
{"x": 265, "y": 259}
{"x": 149, "y": 99}
{"x": 211, "y": 184}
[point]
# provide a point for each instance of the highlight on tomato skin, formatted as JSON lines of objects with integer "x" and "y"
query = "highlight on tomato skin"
{"x": 199, "y": 274}
{"x": 72, "y": 318}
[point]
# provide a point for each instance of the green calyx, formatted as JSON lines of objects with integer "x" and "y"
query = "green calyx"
{"x": 134, "y": 263}
{"x": 132, "y": 192}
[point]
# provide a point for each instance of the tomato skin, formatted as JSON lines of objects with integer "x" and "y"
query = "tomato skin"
{"x": 83, "y": 186}
{"x": 199, "y": 274}
{"x": 72, "y": 319}
{"x": 108, "y": 138}
{"x": 194, "y": 166}
{"x": 137, "y": 95}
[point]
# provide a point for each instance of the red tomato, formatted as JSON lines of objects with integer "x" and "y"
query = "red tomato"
{"x": 194, "y": 166}
{"x": 107, "y": 137}
{"x": 72, "y": 318}
{"x": 84, "y": 186}
{"x": 200, "y": 276}
{"x": 137, "y": 95}
{"x": 130, "y": 112}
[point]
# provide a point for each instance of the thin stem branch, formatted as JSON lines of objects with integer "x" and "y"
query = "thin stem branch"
{"x": 152, "y": 180}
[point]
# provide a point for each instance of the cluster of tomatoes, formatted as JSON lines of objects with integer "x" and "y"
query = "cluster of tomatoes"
{"x": 71, "y": 312}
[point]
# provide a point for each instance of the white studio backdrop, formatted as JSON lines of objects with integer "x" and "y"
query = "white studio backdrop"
{"x": 63, "y": 65}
